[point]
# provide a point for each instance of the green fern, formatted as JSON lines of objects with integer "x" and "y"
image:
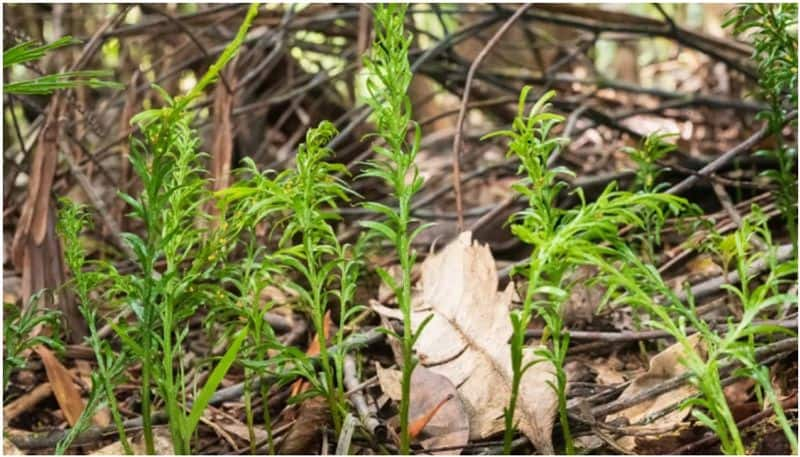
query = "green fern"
{"x": 387, "y": 95}
{"x": 560, "y": 239}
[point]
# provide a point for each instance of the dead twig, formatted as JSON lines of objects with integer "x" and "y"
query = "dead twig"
{"x": 457, "y": 141}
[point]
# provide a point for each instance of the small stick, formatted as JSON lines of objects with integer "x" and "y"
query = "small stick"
{"x": 715, "y": 164}
{"x": 457, "y": 141}
{"x": 367, "y": 415}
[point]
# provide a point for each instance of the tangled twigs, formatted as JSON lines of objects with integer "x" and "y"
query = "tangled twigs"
{"x": 368, "y": 419}
{"x": 722, "y": 160}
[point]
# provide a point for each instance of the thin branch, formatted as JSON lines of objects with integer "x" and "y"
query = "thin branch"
{"x": 457, "y": 141}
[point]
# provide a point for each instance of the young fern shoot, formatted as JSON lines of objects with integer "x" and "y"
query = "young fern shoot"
{"x": 72, "y": 219}
{"x": 304, "y": 198}
{"x": 637, "y": 284}
{"x": 387, "y": 86}
{"x": 311, "y": 191}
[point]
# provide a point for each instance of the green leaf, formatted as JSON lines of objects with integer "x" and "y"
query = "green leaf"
{"x": 381, "y": 228}
{"x": 204, "y": 397}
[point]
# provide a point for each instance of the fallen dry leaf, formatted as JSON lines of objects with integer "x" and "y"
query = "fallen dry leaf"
{"x": 222, "y": 151}
{"x": 467, "y": 341}
{"x": 664, "y": 366}
{"x": 304, "y": 435}
{"x": 10, "y": 449}
{"x": 435, "y": 410}
{"x": 162, "y": 441}
{"x": 609, "y": 370}
{"x": 67, "y": 395}
{"x": 702, "y": 267}
{"x": 584, "y": 299}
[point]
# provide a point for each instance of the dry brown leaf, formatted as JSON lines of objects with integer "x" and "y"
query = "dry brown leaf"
{"x": 435, "y": 406}
{"x": 67, "y": 395}
{"x": 664, "y": 366}
{"x": 304, "y": 435}
{"x": 740, "y": 391}
{"x": 10, "y": 449}
{"x": 584, "y": 299}
{"x": 162, "y": 441}
{"x": 467, "y": 341}
{"x": 33, "y": 219}
{"x": 702, "y": 267}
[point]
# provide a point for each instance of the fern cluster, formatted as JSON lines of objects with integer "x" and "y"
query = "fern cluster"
{"x": 302, "y": 203}
{"x": 72, "y": 220}
{"x": 17, "y": 328}
{"x": 639, "y": 285}
{"x": 560, "y": 239}
{"x": 178, "y": 265}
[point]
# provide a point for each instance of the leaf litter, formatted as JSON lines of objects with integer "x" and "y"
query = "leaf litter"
{"x": 466, "y": 340}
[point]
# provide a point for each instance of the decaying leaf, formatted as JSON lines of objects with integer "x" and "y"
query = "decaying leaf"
{"x": 162, "y": 441}
{"x": 664, "y": 366}
{"x": 584, "y": 298}
{"x": 304, "y": 435}
{"x": 435, "y": 410}
{"x": 702, "y": 267}
{"x": 67, "y": 395}
{"x": 467, "y": 341}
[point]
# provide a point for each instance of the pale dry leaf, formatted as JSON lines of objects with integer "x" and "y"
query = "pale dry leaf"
{"x": 243, "y": 432}
{"x": 162, "y": 441}
{"x": 584, "y": 299}
{"x": 664, "y": 366}
{"x": 305, "y": 433}
{"x": 609, "y": 371}
{"x": 467, "y": 341}
{"x": 449, "y": 426}
{"x": 10, "y": 449}
{"x": 67, "y": 395}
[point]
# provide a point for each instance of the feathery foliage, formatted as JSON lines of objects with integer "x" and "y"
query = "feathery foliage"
{"x": 387, "y": 87}
{"x": 28, "y": 51}
{"x": 560, "y": 239}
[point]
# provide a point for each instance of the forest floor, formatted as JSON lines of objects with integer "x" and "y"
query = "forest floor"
{"x": 722, "y": 242}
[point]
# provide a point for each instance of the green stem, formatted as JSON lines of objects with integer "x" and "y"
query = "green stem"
{"x": 267, "y": 418}
{"x": 405, "y": 305}
{"x": 147, "y": 426}
{"x": 248, "y": 410}
{"x": 517, "y": 340}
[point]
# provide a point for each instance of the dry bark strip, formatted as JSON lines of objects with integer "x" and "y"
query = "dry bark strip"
{"x": 26, "y": 402}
